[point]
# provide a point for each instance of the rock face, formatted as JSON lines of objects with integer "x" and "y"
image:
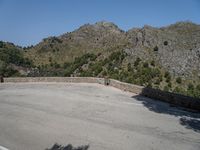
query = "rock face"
{"x": 176, "y": 47}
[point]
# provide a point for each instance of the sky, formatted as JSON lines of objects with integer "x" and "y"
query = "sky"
{"x": 27, "y": 22}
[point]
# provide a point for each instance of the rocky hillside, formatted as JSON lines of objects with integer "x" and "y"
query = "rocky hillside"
{"x": 101, "y": 37}
{"x": 175, "y": 47}
{"x": 167, "y": 58}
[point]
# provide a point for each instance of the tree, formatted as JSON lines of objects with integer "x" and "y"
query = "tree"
{"x": 1, "y": 44}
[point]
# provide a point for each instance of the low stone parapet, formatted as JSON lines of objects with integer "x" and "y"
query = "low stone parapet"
{"x": 172, "y": 98}
{"x": 126, "y": 86}
{"x": 56, "y": 79}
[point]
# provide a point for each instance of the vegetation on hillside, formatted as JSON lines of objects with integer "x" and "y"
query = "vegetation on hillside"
{"x": 145, "y": 73}
{"x": 11, "y": 56}
{"x": 165, "y": 58}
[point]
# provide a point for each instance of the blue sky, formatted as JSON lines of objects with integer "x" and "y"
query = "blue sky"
{"x": 26, "y": 22}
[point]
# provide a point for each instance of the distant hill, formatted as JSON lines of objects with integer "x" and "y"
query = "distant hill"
{"x": 167, "y": 58}
{"x": 12, "y": 60}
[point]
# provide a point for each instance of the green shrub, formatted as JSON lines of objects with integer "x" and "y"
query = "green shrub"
{"x": 129, "y": 68}
{"x": 190, "y": 87}
{"x": 117, "y": 56}
{"x": 169, "y": 84}
{"x": 168, "y": 77}
{"x": 165, "y": 43}
{"x": 104, "y": 73}
{"x": 179, "y": 80}
{"x": 166, "y": 88}
{"x": 146, "y": 65}
{"x": 149, "y": 84}
{"x": 166, "y": 74}
{"x": 179, "y": 90}
{"x": 137, "y": 61}
{"x": 198, "y": 87}
{"x": 152, "y": 63}
{"x": 157, "y": 82}
{"x": 50, "y": 59}
{"x": 155, "y": 48}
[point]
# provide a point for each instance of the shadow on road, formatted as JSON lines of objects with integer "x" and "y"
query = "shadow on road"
{"x": 191, "y": 120}
{"x": 68, "y": 147}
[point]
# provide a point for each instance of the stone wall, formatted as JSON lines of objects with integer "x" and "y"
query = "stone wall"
{"x": 172, "y": 98}
{"x": 126, "y": 86}
{"x": 56, "y": 79}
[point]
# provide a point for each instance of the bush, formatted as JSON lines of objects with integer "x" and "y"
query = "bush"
{"x": 166, "y": 74}
{"x": 129, "y": 68}
{"x": 190, "y": 87}
{"x": 165, "y": 43}
{"x": 137, "y": 61}
{"x": 155, "y": 48}
{"x": 169, "y": 84}
{"x": 146, "y": 65}
{"x": 166, "y": 88}
{"x": 168, "y": 77}
{"x": 179, "y": 80}
{"x": 117, "y": 56}
{"x": 56, "y": 65}
{"x": 104, "y": 73}
{"x": 198, "y": 87}
{"x": 149, "y": 84}
{"x": 157, "y": 82}
{"x": 152, "y": 63}
{"x": 66, "y": 65}
{"x": 50, "y": 59}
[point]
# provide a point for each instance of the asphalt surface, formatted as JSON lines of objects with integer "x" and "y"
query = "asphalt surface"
{"x": 34, "y": 116}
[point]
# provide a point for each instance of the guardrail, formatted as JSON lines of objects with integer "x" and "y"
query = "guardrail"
{"x": 172, "y": 98}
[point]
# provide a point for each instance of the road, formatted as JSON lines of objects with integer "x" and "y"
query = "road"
{"x": 34, "y": 116}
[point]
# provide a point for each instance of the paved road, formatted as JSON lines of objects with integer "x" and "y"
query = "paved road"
{"x": 33, "y": 116}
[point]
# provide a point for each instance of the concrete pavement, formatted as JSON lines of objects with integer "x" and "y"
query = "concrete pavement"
{"x": 34, "y": 116}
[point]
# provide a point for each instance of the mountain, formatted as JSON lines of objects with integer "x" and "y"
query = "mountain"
{"x": 167, "y": 58}
{"x": 97, "y": 38}
{"x": 175, "y": 47}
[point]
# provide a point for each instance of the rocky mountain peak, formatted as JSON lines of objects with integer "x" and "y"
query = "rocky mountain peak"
{"x": 106, "y": 24}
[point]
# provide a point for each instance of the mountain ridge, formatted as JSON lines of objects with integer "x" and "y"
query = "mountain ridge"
{"x": 166, "y": 58}
{"x": 103, "y": 36}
